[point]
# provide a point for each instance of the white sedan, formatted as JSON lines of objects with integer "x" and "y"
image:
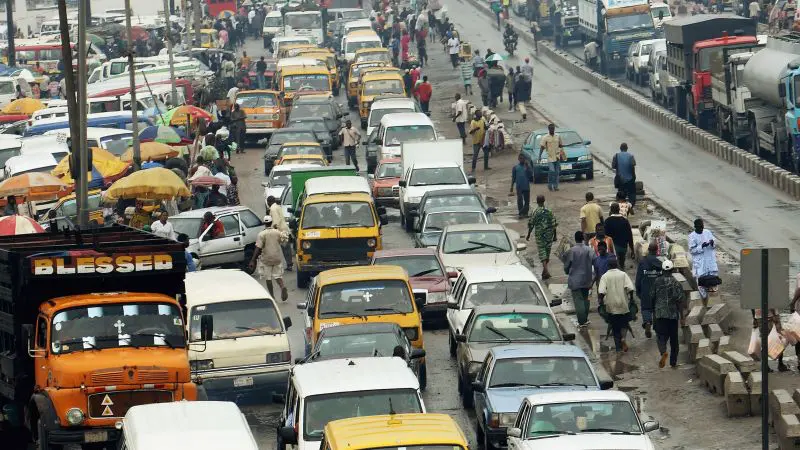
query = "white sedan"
{"x": 481, "y": 244}
{"x": 579, "y": 420}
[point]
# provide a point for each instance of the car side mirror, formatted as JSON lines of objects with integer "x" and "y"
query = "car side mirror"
{"x": 521, "y": 246}
{"x": 279, "y": 398}
{"x": 568, "y": 337}
{"x": 556, "y": 302}
{"x": 461, "y": 338}
{"x": 383, "y": 219}
{"x": 491, "y": 210}
{"x": 206, "y": 327}
{"x": 264, "y": 184}
{"x": 419, "y": 299}
{"x": 402, "y": 183}
{"x": 477, "y": 386}
{"x": 471, "y": 180}
{"x": 302, "y": 305}
{"x": 287, "y": 321}
{"x": 606, "y": 385}
{"x": 587, "y": 142}
{"x": 513, "y": 432}
{"x": 417, "y": 353}
{"x": 414, "y": 213}
{"x": 452, "y": 274}
{"x": 452, "y": 305}
{"x": 288, "y": 435}
{"x": 293, "y": 224}
{"x": 650, "y": 425}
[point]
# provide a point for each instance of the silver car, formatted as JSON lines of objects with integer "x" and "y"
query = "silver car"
{"x": 235, "y": 245}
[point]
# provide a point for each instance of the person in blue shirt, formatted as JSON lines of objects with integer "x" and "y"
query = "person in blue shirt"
{"x": 625, "y": 179}
{"x": 600, "y": 261}
{"x": 521, "y": 177}
{"x": 190, "y": 266}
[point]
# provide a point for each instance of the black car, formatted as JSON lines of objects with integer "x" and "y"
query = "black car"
{"x": 434, "y": 220}
{"x": 317, "y": 125}
{"x": 282, "y": 136}
{"x": 318, "y": 107}
{"x": 457, "y": 198}
{"x": 366, "y": 339}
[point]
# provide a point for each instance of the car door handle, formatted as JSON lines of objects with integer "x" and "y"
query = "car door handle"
{"x": 236, "y": 239}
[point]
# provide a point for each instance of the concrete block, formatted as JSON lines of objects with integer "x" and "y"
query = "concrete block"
{"x": 700, "y": 350}
{"x": 695, "y": 316}
{"x": 722, "y": 346}
{"x": 683, "y": 281}
{"x": 712, "y": 370}
{"x": 692, "y": 334}
{"x": 787, "y": 429}
{"x": 695, "y": 300}
{"x": 719, "y": 314}
{"x": 780, "y": 403}
{"x": 713, "y": 332}
{"x": 737, "y": 399}
{"x": 754, "y": 385}
{"x": 743, "y": 363}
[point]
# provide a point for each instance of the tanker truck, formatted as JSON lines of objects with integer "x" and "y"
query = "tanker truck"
{"x": 757, "y": 97}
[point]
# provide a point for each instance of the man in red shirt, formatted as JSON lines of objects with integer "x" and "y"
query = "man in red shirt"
{"x": 424, "y": 92}
{"x": 217, "y": 229}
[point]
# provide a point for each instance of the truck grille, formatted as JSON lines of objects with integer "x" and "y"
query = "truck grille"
{"x": 119, "y": 377}
{"x": 152, "y": 376}
{"x": 107, "y": 378}
{"x": 395, "y": 191}
{"x": 114, "y": 405}
{"x": 347, "y": 249}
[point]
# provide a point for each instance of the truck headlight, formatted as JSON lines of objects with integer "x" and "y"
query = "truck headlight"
{"x": 201, "y": 364}
{"x": 502, "y": 420}
{"x": 585, "y": 158}
{"x": 74, "y": 416}
{"x": 436, "y": 297}
{"x": 371, "y": 243}
{"x": 306, "y": 245}
{"x": 278, "y": 357}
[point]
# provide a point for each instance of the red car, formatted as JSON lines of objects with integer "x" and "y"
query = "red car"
{"x": 384, "y": 182}
{"x": 426, "y": 274}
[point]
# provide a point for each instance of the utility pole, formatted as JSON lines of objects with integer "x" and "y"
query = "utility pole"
{"x": 137, "y": 155}
{"x": 197, "y": 6}
{"x": 185, "y": 38}
{"x": 169, "y": 52}
{"x": 12, "y": 57}
{"x": 82, "y": 188}
{"x": 69, "y": 81}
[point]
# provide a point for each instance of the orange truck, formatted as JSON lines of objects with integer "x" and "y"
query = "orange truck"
{"x": 89, "y": 327}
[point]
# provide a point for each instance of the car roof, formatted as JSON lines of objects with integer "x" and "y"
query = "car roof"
{"x": 358, "y": 23}
{"x": 288, "y": 130}
{"x": 300, "y": 144}
{"x": 337, "y": 184}
{"x": 361, "y": 273}
{"x": 353, "y": 374}
{"x": 449, "y": 192}
{"x": 508, "y": 272}
{"x": 454, "y": 209}
{"x": 217, "y": 210}
{"x": 415, "y": 118}
{"x": 314, "y": 99}
{"x": 577, "y": 396}
{"x": 393, "y": 102}
{"x": 476, "y": 227}
{"x": 274, "y": 13}
{"x": 207, "y": 424}
{"x": 537, "y": 351}
{"x": 558, "y": 130}
{"x": 214, "y": 286}
{"x": 360, "y": 328}
{"x": 509, "y": 308}
{"x": 402, "y": 430}
{"x": 404, "y": 252}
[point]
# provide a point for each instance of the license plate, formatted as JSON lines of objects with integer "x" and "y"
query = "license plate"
{"x": 242, "y": 381}
{"x": 95, "y": 436}
{"x": 566, "y": 167}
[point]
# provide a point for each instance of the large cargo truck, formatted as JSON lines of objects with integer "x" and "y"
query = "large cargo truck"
{"x": 89, "y": 327}
{"x": 616, "y": 24}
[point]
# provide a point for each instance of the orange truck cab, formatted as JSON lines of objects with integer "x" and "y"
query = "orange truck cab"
{"x": 89, "y": 327}
{"x": 264, "y": 110}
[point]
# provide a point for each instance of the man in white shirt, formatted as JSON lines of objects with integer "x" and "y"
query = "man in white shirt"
{"x": 453, "y": 46}
{"x": 616, "y": 293}
{"x": 460, "y": 118}
{"x": 163, "y": 228}
{"x": 755, "y": 10}
{"x": 276, "y": 213}
{"x": 232, "y": 94}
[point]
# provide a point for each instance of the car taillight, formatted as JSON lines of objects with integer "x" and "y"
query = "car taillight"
{"x": 278, "y": 357}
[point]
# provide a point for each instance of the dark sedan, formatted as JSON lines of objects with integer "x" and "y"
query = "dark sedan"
{"x": 579, "y": 158}
{"x": 320, "y": 130}
{"x": 282, "y": 136}
{"x": 318, "y": 107}
{"x": 456, "y": 197}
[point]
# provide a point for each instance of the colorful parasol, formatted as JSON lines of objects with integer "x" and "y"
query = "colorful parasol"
{"x": 33, "y": 186}
{"x": 106, "y": 168}
{"x": 151, "y": 151}
{"x": 25, "y": 106}
{"x": 163, "y": 134}
{"x": 154, "y": 184}
{"x": 14, "y": 225}
{"x": 178, "y": 116}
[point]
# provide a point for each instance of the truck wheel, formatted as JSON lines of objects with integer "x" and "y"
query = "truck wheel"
{"x": 303, "y": 279}
{"x": 466, "y": 395}
{"x": 248, "y": 255}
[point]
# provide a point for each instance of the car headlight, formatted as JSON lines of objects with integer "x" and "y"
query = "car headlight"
{"x": 201, "y": 364}
{"x": 436, "y": 297}
{"x": 474, "y": 367}
{"x": 543, "y": 160}
{"x": 384, "y": 191}
{"x": 414, "y": 199}
{"x": 278, "y": 357}
{"x": 306, "y": 245}
{"x": 585, "y": 158}
{"x": 74, "y": 416}
{"x": 411, "y": 333}
{"x": 371, "y": 243}
{"x": 502, "y": 420}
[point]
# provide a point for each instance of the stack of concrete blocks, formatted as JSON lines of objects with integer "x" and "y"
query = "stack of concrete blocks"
{"x": 783, "y": 415}
{"x": 713, "y": 370}
{"x": 706, "y": 325}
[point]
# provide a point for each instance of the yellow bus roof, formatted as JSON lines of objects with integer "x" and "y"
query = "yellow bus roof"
{"x": 381, "y": 75}
{"x": 356, "y": 273}
{"x": 372, "y": 50}
{"x": 300, "y": 70}
{"x": 399, "y": 430}
{"x": 300, "y": 144}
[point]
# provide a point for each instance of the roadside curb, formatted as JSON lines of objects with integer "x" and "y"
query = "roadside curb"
{"x": 767, "y": 172}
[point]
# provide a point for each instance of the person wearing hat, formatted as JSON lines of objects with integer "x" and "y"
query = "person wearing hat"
{"x": 668, "y": 299}
{"x": 268, "y": 257}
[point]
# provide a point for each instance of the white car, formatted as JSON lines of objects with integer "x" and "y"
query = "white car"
{"x": 279, "y": 179}
{"x": 478, "y": 244}
{"x": 492, "y": 285}
{"x": 579, "y": 420}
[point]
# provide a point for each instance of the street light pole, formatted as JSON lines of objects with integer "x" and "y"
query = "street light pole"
{"x": 169, "y": 52}
{"x": 137, "y": 155}
{"x": 83, "y": 151}
{"x": 10, "y": 30}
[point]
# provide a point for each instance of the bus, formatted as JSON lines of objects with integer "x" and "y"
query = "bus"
{"x": 218, "y": 7}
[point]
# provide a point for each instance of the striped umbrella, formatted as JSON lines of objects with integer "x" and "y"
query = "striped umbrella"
{"x": 14, "y": 225}
{"x": 33, "y": 186}
{"x": 163, "y": 134}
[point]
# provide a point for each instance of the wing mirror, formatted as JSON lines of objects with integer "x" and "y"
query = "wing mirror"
{"x": 555, "y": 302}
{"x": 382, "y": 210}
{"x": 287, "y": 322}
{"x": 371, "y": 176}
{"x": 452, "y": 305}
{"x": 514, "y": 432}
{"x": 471, "y": 180}
{"x": 417, "y": 353}
{"x": 461, "y": 338}
{"x": 568, "y": 337}
{"x": 477, "y": 386}
{"x": 288, "y": 435}
{"x": 606, "y": 385}
{"x": 587, "y": 142}
{"x": 302, "y": 305}
{"x": 383, "y": 219}
{"x": 521, "y": 246}
{"x": 491, "y": 210}
{"x": 402, "y": 183}
{"x": 651, "y": 425}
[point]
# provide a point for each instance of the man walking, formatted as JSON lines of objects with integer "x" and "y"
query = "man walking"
{"x": 510, "y": 87}
{"x": 647, "y": 272}
{"x": 460, "y": 118}
{"x": 261, "y": 67}
{"x": 625, "y": 179}
{"x": 424, "y": 93}
{"x": 521, "y": 177}
{"x": 667, "y": 297}
{"x": 477, "y": 129}
{"x": 276, "y": 213}
{"x": 619, "y": 230}
{"x": 600, "y": 262}
{"x": 591, "y": 215}
{"x": 453, "y": 47}
{"x": 704, "y": 255}
{"x": 269, "y": 257}
{"x": 552, "y": 144}
{"x": 578, "y": 266}
{"x": 350, "y": 137}
{"x": 615, "y": 291}
{"x": 544, "y": 223}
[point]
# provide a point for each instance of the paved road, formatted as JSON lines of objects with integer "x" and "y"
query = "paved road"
{"x": 739, "y": 209}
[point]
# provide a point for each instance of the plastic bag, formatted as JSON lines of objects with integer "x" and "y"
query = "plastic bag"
{"x": 754, "y": 349}
{"x": 775, "y": 344}
{"x": 791, "y": 329}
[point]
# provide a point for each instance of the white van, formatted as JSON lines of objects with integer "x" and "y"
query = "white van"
{"x": 50, "y": 28}
{"x": 352, "y": 43}
{"x": 279, "y": 42}
{"x": 342, "y": 388}
{"x": 382, "y": 107}
{"x": 194, "y": 425}
{"x": 47, "y": 113}
{"x": 8, "y": 89}
{"x": 273, "y": 26}
{"x": 247, "y": 352}
{"x": 37, "y": 162}
{"x": 394, "y": 129}
{"x": 304, "y": 23}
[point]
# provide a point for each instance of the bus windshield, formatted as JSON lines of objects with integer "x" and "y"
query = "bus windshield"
{"x": 304, "y": 21}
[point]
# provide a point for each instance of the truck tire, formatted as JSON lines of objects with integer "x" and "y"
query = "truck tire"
{"x": 41, "y": 437}
{"x": 409, "y": 223}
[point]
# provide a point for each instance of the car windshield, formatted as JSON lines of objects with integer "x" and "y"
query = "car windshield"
{"x": 70, "y": 207}
{"x": 306, "y": 82}
{"x": 567, "y": 138}
{"x": 304, "y": 110}
{"x": 353, "y": 15}
{"x": 376, "y": 87}
{"x": 304, "y": 21}
{"x": 353, "y": 46}
{"x": 287, "y": 136}
{"x": 437, "y": 221}
{"x": 437, "y": 176}
{"x": 474, "y": 242}
{"x": 629, "y": 22}
{"x": 415, "y": 265}
{"x": 458, "y": 200}
{"x": 389, "y": 170}
{"x": 116, "y": 325}
{"x": 337, "y": 215}
{"x": 357, "y": 69}
{"x": 373, "y": 56}
{"x": 546, "y": 371}
{"x": 273, "y": 22}
{"x": 321, "y": 409}
{"x": 399, "y": 134}
{"x": 514, "y": 327}
{"x": 237, "y": 319}
{"x": 189, "y": 226}
{"x": 504, "y": 292}
{"x": 6, "y": 87}
{"x": 117, "y": 145}
{"x": 377, "y": 114}
{"x": 582, "y": 417}
{"x": 256, "y": 100}
{"x": 318, "y": 125}
{"x": 644, "y": 49}
{"x": 301, "y": 150}
{"x": 365, "y": 298}
{"x": 277, "y": 178}
{"x": 373, "y": 344}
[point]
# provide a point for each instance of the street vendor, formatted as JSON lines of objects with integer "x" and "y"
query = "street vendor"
{"x": 11, "y": 208}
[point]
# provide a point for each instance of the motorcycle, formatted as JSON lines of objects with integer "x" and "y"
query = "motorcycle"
{"x": 510, "y": 43}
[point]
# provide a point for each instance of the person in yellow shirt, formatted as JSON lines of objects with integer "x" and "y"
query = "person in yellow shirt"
{"x": 591, "y": 215}
{"x": 244, "y": 63}
{"x": 552, "y": 144}
{"x": 477, "y": 129}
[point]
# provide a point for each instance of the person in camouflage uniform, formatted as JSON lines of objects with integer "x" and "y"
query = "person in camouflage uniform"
{"x": 543, "y": 223}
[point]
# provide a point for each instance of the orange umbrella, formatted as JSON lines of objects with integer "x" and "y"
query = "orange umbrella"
{"x": 178, "y": 116}
{"x": 33, "y": 186}
{"x": 155, "y": 151}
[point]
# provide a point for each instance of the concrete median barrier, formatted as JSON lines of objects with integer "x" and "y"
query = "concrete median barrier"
{"x": 666, "y": 119}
